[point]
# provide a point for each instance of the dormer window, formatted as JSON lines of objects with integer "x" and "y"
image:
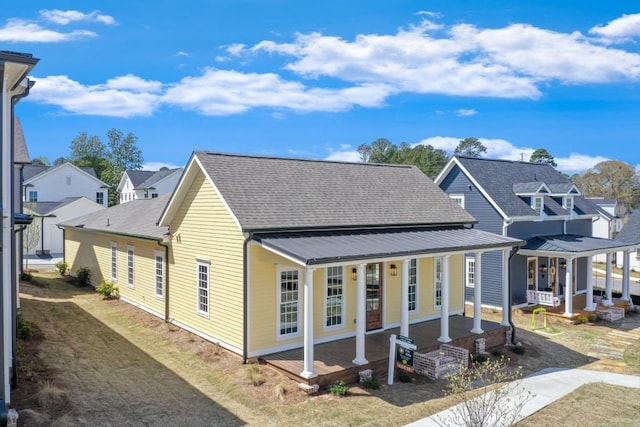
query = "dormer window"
{"x": 536, "y": 205}
{"x": 568, "y": 203}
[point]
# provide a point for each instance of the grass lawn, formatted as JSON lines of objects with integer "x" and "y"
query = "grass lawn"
{"x": 117, "y": 364}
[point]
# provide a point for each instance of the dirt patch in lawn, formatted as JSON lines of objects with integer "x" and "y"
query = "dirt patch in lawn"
{"x": 105, "y": 362}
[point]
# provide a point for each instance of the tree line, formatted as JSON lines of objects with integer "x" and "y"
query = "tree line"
{"x": 611, "y": 179}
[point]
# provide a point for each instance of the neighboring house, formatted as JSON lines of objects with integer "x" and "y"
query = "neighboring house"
{"x": 608, "y": 223}
{"x": 269, "y": 254}
{"x": 21, "y": 158}
{"x": 55, "y": 183}
{"x": 14, "y": 69}
{"x": 139, "y": 184}
{"x": 49, "y": 214}
{"x": 536, "y": 203}
{"x": 630, "y": 233}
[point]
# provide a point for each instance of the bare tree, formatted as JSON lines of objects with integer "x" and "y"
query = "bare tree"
{"x": 482, "y": 399}
{"x": 30, "y": 239}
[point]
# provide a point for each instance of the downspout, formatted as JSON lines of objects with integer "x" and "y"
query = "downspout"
{"x": 166, "y": 280}
{"x": 245, "y": 294}
{"x": 513, "y": 327}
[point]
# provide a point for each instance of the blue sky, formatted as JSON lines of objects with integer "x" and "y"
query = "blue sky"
{"x": 317, "y": 79}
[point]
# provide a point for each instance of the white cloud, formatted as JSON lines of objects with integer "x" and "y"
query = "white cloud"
{"x": 65, "y": 17}
{"x": 221, "y": 92}
{"x": 577, "y": 163}
{"x": 624, "y": 27}
{"x": 102, "y": 100}
{"x": 345, "y": 154}
{"x": 464, "y": 112}
{"x": 156, "y": 166}
{"x": 17, "y": 30}
{"x": 182, "y": 53}
{"x": 134, "y": 84}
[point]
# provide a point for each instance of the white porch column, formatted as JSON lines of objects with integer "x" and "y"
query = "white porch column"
{"x": 361, "y": 315}
{"x": 608, "y": 281}
{"x": 444, "y": 308}
{"x": 308, "y": 371}
{"x": 590, "y": 306}
{"x": 568, "y": 289}
{"x": 505, "y": 288}
{"x": 625, "y": 276}
{"x": 477, "y": 296}
{"x": 404, "y": 299}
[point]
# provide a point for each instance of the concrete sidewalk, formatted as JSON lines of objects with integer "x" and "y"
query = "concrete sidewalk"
{"x": 546, "y": 387}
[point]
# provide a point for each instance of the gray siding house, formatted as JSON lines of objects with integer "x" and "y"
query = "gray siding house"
{"x": 536, "y": 203}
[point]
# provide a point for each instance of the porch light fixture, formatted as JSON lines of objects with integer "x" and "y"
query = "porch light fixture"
{"x": 563, "y": 264}
{"x": 354, "y": 273}
{"x": 393, "y": 269}
{"x": 543, "y": 268}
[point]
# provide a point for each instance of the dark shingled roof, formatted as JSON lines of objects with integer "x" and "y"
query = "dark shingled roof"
{"x": 45, "y": 208}
{"x": 30, "y": 171}
{"x": 497, "y": 178}
{"x": 157, "y": 176}
{"x": 135, "y": 218}
{"x": 20, "y": 151}
{"x": 137, "y": 177}
{"x": 278, "y": 193}
{"x": 630, "y": 232}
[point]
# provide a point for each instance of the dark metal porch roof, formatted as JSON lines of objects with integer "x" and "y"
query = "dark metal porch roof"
{"x": 347, "y": 247}
{"x": 571, "y": 245}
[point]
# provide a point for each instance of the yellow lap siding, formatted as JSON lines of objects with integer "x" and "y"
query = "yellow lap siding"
{"x": 93, "y": 250}
{"x": 203, "y": 230}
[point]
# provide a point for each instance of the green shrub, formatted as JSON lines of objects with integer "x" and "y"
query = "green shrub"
{"x": 479, "y": 357}
{"x": 497, "y": 352}
{"x": 24, "y": 330}
{"x": 404, "y": 377}
{"x": 108, "y": 289}
{"x": 339, "y": 388}
{"x": 83, "y": 275}
{"x": 371, "y": 382}
{"x": 519, "y": 349}
{"x": 25, "y": 276}
{"x": 62, "y": 267}
{"x": 584, "y": 318}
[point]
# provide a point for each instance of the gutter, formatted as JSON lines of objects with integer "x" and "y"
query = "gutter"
{"x": 513, "y": 327}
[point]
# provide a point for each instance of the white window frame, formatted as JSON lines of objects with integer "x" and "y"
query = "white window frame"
{"x": 100, "y": 197}
{"x": 470, "y": 272}
{"x": 343, "y": 295}
{"x": 567, "y": 203}
{"x": 458, "y": 198}
{"x": 114, "y": 261}
{"x": 537, "y": 204}
{"x": 437, "y": 282}
{"x": 298, "y": 294}
{"x": 32, "y": 196}
{"x": 159, "y": 274}
{"x": 131, "y": 267}
{"x": 413, "y": 285}
{"x": 203, "y": 283}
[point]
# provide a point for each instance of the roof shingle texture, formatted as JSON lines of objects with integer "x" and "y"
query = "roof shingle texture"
{"x": 137, "y": 177}
{"x": 498, "y": 177}
{"x": 630, "y": 232}
{"x": 278, "y": 193}
{"x": 134, "y": 218}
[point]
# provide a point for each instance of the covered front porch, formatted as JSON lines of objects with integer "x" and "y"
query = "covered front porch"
{"x": 334, "y": 360}
{"x": 555, "y": 278}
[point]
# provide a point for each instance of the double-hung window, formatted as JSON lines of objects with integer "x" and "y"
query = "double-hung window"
{"x": 288, "y": 303}
{"x": 437, "y": 281}
{"x": 536, "y": 205}
{"x": 334, "y": 297}
{"x": 100, "y": 197}
{"x": 568, "y": 203}
{"x": 159, "y": 274}
{"x": 203, "y": 288}
{"x": 413, "y": 284}
{"x": 458, "y": 198}
{"x": 130, "y": 267}
{"x": 114, "y": 262}
{"x": 471, "y": 272}
{"x": 33, "y": 196}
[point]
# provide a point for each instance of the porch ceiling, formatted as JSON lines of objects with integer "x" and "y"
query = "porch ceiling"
{"x": 570, "y": 245}
{"x": 345, "y": 247}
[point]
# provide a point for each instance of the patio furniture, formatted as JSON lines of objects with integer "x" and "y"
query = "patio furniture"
{"x": 438, "y": 364}
{"x": 610, "y": 314}
{"x": 542, "y": 298}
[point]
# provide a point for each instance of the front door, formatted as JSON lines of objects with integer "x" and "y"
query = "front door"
{"x": 374, "y": 296}
{"x": 532, "y": 274}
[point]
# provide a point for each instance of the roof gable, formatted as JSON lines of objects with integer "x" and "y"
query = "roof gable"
{"x": 270, "y": 193}
{"x": 630, "y": 232}
{"x": 33, "y": 173}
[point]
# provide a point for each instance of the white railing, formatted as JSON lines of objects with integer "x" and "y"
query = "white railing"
{"x": 542, "y": 298}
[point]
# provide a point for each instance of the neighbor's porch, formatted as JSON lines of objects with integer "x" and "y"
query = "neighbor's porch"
{"x": 334, "y": 360}
{"x": 579, "y": 304}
